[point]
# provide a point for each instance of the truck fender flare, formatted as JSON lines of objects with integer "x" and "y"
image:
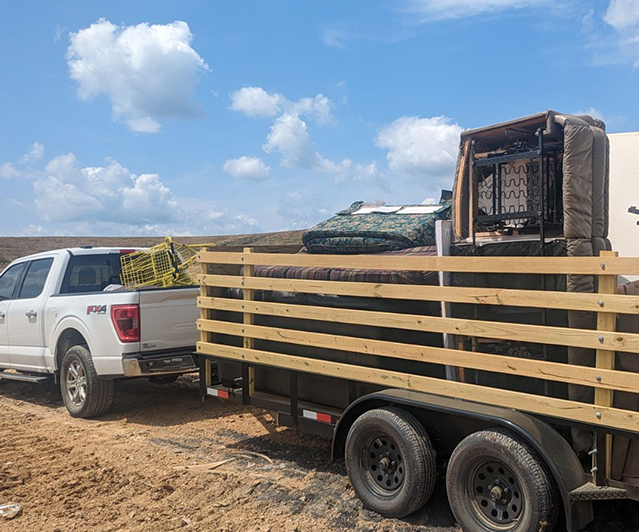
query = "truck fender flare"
{"x": 69, "y": 322}
{"x": 558, "y": 455}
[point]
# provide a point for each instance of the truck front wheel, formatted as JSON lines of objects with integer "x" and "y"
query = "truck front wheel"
{"x": 84, "y": 394}
{"x": 497, "y": 483}
{"x": 390, "y": 461}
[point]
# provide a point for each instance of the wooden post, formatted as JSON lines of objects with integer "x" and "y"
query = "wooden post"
{"x": 249, "y": 295}
{"x": 205, "y": 336}
{"x": 606, "y": 322}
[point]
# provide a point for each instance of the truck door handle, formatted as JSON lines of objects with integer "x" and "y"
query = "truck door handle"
{"x": 2, "y": 315}
{"x": 31, "y": 314}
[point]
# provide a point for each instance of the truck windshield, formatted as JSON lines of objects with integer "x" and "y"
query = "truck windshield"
{"x": 91, "y": 273}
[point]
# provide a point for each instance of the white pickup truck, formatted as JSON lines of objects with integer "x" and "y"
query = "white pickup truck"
{"x": 56, "y": 319}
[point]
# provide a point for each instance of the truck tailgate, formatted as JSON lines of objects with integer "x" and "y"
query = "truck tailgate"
{"x": 167, "y": 318}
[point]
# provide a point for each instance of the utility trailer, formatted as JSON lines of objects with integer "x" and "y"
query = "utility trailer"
{"x": 505, "y": 367}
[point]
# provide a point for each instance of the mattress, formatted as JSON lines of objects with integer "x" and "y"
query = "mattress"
{"x": 357, "y": 275}
{"x": 361, "y": 229}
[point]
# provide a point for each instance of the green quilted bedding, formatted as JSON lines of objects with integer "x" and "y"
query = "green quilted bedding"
{"x": 361, "y": 229}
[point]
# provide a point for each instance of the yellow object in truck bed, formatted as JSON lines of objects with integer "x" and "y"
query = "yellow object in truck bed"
{"x": 164, "y": 265}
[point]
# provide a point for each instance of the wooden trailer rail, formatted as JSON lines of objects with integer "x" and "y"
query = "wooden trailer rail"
{"x": 236, "y": 270}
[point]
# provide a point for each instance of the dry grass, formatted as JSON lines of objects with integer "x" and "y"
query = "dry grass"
{"x": 12, "y": 248}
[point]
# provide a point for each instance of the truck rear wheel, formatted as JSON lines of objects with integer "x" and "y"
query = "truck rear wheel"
{"x": 390, "y": 461}
{"x": 496, "y": 483}
{"x": 84, "y": 394}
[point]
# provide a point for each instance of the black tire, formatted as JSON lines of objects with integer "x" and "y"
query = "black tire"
{"x": 97, "y": 396}
{"x": 390, "y": 461}
{"x": 164, "y": 379}
{"x": 497, "y": 483}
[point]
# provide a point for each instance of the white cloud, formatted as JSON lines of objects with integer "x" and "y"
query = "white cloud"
{"x": 300, "y": 212}
{"x": 255, "y": 101}
{"x": 35, "y": 153}
{"x": 290, "y": 138}
{"x": 622, "y": 14}
{"x": 148, "y": 72}
{"x": 434, "y": 10}
{"x": 289, "y": 135}
{"x": 8, "y": 170}
{"x": 247, "y": 168}
{"x": 593, "y": 112}
{"x": 110, "y": 199}
{"x": 424, "y": 147}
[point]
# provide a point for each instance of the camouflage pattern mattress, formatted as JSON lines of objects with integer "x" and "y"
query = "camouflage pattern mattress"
{"x": 362, "y": 229}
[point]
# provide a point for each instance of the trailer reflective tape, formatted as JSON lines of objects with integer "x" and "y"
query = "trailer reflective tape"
{"x": 317, "y": 416}
{"x": 222, "y": 394}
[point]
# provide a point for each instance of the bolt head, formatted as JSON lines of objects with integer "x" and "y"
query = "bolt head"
{"x": 601, "y": 339}
{"x": 598, "y": 414}
{"x": 601, "y": 303}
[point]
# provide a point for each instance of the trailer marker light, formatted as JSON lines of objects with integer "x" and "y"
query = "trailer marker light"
{"x": 222, "y": 394}
{"x": 317, "y": 416}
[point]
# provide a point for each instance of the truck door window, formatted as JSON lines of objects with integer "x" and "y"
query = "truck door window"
{"x": 10, "y": 279}
{"x": 91, "y": 273}
{"x": 35, "y": 278}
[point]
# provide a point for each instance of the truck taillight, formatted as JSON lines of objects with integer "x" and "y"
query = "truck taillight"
{"x": 126, "y": 320}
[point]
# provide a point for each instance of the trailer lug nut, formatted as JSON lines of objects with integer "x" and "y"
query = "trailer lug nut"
{"x": 506, "y": 490}
{"x": 503, "y": 501}
{"x": 497, "y": 482}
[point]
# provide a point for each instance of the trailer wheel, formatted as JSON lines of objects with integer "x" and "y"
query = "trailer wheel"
{"x": 84, "y": 394}
{"x": 496, "y": 483}
{"x": 390, "y": 461}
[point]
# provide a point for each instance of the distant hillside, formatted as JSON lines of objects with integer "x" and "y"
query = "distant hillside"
{"x": 12, "y": 248}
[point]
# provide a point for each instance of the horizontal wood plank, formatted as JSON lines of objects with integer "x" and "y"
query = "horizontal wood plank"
{"x": 539, "y": 334}
{"x": 518, "y": 265}
{"x": 623, "y": 304}
{"x": 547, "y": 406}
{"x": 539, "y": 369}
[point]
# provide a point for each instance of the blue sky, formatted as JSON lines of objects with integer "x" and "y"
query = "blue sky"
{"x": 211, "y": 117}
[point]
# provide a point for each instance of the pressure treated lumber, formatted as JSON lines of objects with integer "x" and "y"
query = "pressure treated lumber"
{"x": 547, "y": 406}
{"x": 554, "y": 371}
{"x": 518, "y": 265}
{"x": 622, "y": 304}
{"x": 540, "y": 334}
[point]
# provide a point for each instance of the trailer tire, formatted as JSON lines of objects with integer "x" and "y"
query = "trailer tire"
{"x": 390, "y": 461}
{"x": 497, "y": 483}
{"x": 84, "y": 394}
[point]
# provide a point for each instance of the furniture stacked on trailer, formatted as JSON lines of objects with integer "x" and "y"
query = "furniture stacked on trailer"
{"x": 397, "y": 354}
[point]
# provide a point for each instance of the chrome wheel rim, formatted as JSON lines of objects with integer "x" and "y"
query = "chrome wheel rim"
{"x": 76, "y": 383}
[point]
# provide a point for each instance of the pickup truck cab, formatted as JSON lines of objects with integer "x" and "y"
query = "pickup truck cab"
{"x": 64, "y": 314}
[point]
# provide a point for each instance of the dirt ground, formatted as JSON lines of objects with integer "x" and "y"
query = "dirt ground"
{"x": 122, "y": 472}
{"x": 126, "y": 471}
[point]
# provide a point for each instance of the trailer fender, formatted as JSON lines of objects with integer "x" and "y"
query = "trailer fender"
{"x": 558, "y": 455}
